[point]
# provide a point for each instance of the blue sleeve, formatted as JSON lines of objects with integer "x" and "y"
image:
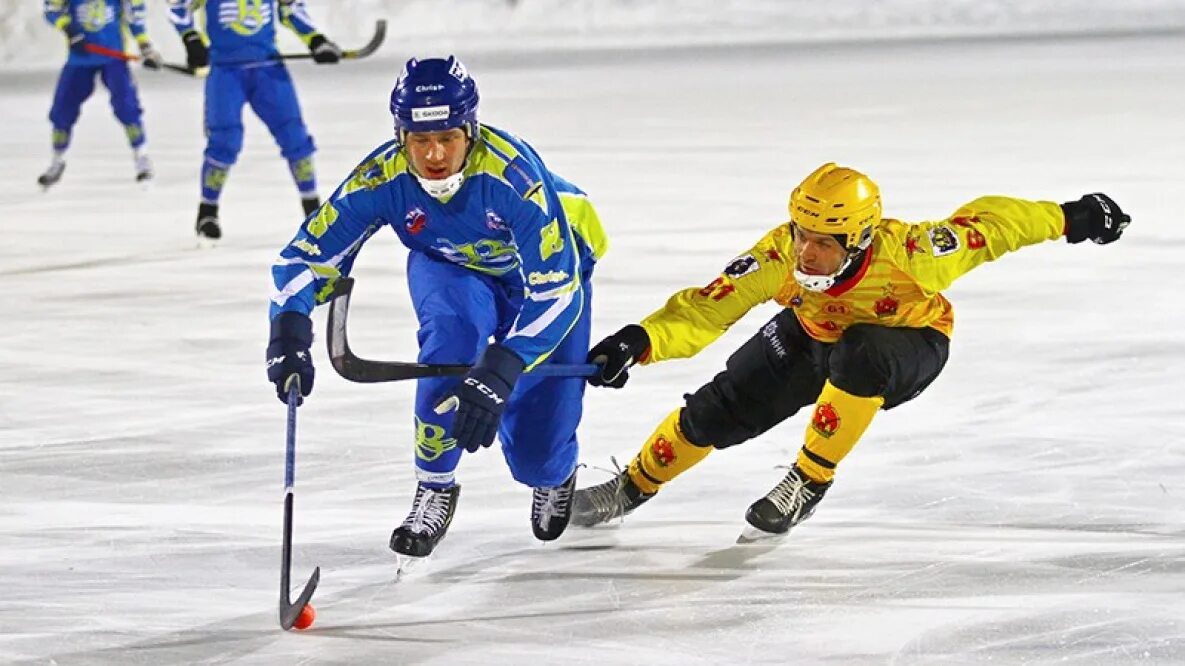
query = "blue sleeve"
{"x": 329, "y": 240}
{"x": 295, "y": 16}
{"x": 181, "y": 14}
{"x": 553, "y": 299}
{"x": 57, "y": 13}
{"x": 137, "y": 15}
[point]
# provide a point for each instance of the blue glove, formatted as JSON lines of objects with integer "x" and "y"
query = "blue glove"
{"x": 288, "y": 353}
{"x": 481, "y": 397}
{"x": 76, "y": 38}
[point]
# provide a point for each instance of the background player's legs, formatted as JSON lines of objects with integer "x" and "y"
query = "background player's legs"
{"x": 125, "y": 102}
{"x": 225, "y": 96}
{"x": 75, "y": 85}
{"x": 273, "y": 98}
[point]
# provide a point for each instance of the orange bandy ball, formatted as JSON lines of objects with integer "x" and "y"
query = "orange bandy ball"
{"x": 307, "y": 615}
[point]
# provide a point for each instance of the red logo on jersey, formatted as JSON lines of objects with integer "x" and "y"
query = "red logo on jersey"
{"x": 825, "y": 420}
{"x": 663, "y": 452}
{"x": 886, "y": 307}
{"x": 911, "y": 246}
{"x": 773, "y": 255}
{"x": 415, "y": 220}
{"x": 835, "y": 308}
{"x": 830, "y": 325}
{"x": 975, "y": 239}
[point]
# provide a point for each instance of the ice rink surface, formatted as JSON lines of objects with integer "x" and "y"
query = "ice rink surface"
{"x": 1027, "y": 509}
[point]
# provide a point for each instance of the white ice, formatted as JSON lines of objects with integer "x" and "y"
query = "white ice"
{"x": 1028, "y": 508}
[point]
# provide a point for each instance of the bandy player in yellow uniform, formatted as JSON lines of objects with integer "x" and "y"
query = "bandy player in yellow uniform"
{"x": 864, "y": 328}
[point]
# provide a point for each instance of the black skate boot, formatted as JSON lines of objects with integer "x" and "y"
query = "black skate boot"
{"x": 207, "y": 227}
{"x": 310, "y": 204}
{"x": 790, "y": 502}
{"x": 52, "y": 175}
{"x": 601, "y": 503}
{"x": 431, "y": 513}
{"x": 551, "y": 509}
{"x": 143, "y": 170}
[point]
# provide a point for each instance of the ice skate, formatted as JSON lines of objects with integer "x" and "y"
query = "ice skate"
{"x": 53, "y": 174}
{"x": 425, "y": 526}
{"x": 144, "y": 173}
{"x": 551, "y": 509}
{"x": 603, "y": 502}
{"x": 790, "y": 502}
{"x": 207, "y": 228}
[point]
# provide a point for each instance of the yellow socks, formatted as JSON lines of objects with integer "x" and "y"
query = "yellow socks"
{"x": 665, "y": 455}
{"x": 839, "y": 421}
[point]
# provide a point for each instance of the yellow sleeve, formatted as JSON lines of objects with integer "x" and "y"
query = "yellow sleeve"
{"x": 938, "y": 253}
{"x": 694, "y": 318}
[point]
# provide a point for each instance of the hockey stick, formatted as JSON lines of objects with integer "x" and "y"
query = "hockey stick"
{"x": 289, "y": 610}
{"x": 355, "y": 369}
{"x": 376, "y": 40}
{"x": 127, "y": 57}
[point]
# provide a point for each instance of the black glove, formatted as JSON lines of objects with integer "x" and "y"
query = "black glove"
{"x": 616, "y": 353}
{"x": 324, "y": 51}
{"x": 75, "y": 38}
{"x": 1094, "y": 217}
{"x": 481, "y": 397}
{"x": 196, "y": 53}
{"x": 288, "y": 353}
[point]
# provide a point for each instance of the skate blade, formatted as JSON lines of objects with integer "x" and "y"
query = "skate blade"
{"x": 406, "y": 565}
{"x": 144, "y": 185}
{"x": 204, "y": 243}
{"x": 751, "y": 534}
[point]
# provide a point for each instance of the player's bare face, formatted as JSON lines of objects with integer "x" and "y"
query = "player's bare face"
{"x": 437, "y": 155}
{"x": 817, "y": 254}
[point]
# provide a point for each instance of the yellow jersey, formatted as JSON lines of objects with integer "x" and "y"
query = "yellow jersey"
{"x": 898, "y": 283}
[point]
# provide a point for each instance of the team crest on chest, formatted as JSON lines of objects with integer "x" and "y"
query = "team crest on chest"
{"x": 415, "y": 221}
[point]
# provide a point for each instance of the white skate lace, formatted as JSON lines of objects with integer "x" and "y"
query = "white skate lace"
{"x": 549, "y": 503}
{"x": 428, "y": 512}
{"x": 790, "y": 495}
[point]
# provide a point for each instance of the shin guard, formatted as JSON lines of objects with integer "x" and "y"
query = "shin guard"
{"x": 838, "y": 422}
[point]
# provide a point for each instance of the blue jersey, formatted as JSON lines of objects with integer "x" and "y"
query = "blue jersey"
{"x": 512, "y": 219}
{"x": 242, "y": 30}
{"x": 101, "y": 21}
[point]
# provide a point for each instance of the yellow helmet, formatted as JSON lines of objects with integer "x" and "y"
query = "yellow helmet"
{"x": 837, "y": 201}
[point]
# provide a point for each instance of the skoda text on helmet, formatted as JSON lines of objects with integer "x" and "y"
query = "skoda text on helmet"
{"x": 435, "y": 95}
{"x": 839, "y": 202}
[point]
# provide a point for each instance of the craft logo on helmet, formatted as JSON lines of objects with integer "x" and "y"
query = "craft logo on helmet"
{"x": 664, "y": 453}
{"x": 426, "y": 114}
{"x": 429, "y": 88}
{"x": 825, "y": 421}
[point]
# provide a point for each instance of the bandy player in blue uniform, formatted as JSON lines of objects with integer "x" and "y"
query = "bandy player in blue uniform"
{"x": 244, "y": 69}
{"x": 97, "y": 22}
{"x": 500, "y": 247}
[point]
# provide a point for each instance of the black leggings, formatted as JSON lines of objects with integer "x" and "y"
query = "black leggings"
{"x": 782, "y": 369}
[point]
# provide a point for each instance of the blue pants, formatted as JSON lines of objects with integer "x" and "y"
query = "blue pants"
{"x": 458, "y": 310}
{"x": 75, "y": 86}
{"x": 271, "y": 94}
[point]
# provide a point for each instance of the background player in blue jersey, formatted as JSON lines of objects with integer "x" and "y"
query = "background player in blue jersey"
{"x": 97, "y": 22}
{"x": 244, "y": 69}
{"x": 501, "y": 248}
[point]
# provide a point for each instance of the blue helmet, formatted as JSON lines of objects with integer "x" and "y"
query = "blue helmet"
{"x": 433, "y": 95}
